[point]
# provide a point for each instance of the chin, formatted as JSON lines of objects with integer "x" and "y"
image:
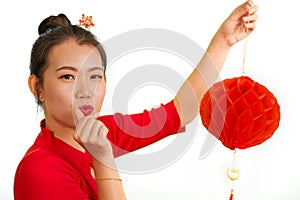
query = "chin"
{"x": 70, "y": 125}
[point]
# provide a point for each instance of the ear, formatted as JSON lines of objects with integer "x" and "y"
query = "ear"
{"x": 35, "y": 87}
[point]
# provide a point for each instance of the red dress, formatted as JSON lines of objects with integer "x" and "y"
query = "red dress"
{"x": 52, "y": 169}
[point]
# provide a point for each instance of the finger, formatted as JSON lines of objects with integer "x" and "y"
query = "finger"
{"x": 91, "y": 118}
{"x": 250, "y": 18}
{"x": 103, "y": 128}
{"x": 80, "y": 125}
{"x": 84, "y": 119}
{"x": 243, "y": 9}
{"x": 93, "y": 115}
{"x": 252, "y": 10}
{"x": 250, "y": 26}
{"x": 102, "y": 133}
{"x": 83, "y": 131}
{"x": 88, "y": 129}
{"x": 100, "y": 126}
{"x": 92, "y": 130}
{"x": 249, "y": 3}
{"x": 95, "y": 130}
{"x": 78, "y": 133}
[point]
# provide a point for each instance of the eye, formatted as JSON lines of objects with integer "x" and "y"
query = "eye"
{"x": 96, "y": 77}
{"x": 67, "y": 77}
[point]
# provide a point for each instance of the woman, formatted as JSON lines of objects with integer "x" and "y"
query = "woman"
{"x": 71, "y": 157}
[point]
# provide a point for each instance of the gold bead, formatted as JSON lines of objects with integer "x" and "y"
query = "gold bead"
{"x": 233, "y": 174}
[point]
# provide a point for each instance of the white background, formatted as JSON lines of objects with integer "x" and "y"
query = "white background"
{"x": 268, "y": 171}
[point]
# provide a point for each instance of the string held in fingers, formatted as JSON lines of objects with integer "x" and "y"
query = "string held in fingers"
{"x": 244, "y": 55}
{"x": 245, "y": 45}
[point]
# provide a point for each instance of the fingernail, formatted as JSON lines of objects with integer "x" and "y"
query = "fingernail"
{"x": 250, "y": 3}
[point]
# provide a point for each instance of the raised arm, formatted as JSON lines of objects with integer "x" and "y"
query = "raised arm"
{"x": 236, "y": 27}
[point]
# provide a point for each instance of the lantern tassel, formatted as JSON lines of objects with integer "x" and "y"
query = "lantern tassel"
{"x": 231, "y": 194}
{"x": 233, "y": 175}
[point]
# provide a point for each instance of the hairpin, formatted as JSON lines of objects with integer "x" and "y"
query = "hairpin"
{"x": 86, "y": 21}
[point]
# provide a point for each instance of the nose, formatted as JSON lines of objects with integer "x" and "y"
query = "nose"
{"x": 83, "y": 89}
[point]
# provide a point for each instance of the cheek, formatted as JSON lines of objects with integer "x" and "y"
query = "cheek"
{"x": 58, "y": 95}
{"x": 100, "y": 94}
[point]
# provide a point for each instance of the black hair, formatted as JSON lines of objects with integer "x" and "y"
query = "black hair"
{"x": 53, "y": 31}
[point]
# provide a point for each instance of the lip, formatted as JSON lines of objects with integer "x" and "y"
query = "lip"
{"x": 86, "y": 109}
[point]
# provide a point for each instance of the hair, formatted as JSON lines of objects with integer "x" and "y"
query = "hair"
{"x": 55, "y": 30}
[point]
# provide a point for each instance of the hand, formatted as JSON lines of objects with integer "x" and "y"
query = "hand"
{"x": 239, "y": 24}
{"x": 91, "y": 133}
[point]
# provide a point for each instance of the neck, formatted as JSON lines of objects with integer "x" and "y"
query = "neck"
{"x": 63, "y": 132}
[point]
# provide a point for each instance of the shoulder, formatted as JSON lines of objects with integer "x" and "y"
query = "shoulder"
{"x": 42, "y": 166}
{"x": 41, "y": 162}
{"x": 39, "y": 172}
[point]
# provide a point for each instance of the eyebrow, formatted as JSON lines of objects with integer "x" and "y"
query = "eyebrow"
{"x": 95, "y": 68}
{"x": 75, "y": 69}
{"x": 66, "y": 68}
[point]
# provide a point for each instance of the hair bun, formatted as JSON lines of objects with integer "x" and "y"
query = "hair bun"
{"x": 53, "y": 22}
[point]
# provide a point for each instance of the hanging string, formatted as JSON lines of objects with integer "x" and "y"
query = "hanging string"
{"x": 233, "y": 175}
{"x": 234, "y": 158}
{"x": 245, "y": 48}
{"x": 244, "y": 55}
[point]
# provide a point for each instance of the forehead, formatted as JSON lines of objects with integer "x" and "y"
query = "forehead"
{"x": 71, "y": 53}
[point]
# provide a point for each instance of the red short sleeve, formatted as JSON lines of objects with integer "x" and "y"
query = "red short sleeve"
{"x": 128, "y": 133}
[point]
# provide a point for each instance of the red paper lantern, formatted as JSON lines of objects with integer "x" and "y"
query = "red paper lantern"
{"x": 239, "y": 112}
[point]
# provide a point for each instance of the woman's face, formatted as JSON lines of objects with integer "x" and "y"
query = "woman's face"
{"x": 74, "y": 84}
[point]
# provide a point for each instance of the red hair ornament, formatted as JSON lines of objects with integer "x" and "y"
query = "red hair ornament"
{"x": 239, "y": 112}
{"x": 86, "y": 21}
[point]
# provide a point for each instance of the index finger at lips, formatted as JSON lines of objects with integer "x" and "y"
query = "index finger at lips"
{"x": 84, "y": 127}
{"x": 80, "y": 124}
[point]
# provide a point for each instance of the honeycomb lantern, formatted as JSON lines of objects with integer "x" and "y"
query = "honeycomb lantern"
{"x": 239, "y": 112}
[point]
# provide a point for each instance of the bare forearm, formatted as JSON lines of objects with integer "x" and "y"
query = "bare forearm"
{"x": 204, "y": 75}
{"x": 108, "y": 180}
